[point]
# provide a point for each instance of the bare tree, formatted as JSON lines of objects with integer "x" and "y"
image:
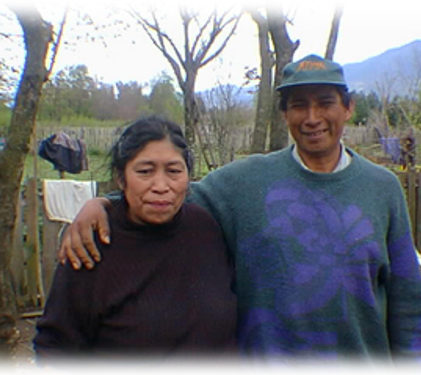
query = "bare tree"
{"x": 37, "y": 37}
{"x": 284, "y": 52}
{"x": 334, "y": 30}
{"x": 276, "y": 50}
{"x": 384, "y": 87}
{"x": 264, "y": 94}
{"x": 210, "y": 39}
{"x": 224, "y": 122}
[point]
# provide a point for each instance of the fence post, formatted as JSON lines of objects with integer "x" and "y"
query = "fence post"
{"x": 35, "y": 286}
{"x": 50, "y": 242}
{"x": 418, "y": 215}
{"x": 17, "y": 263}
{"x": 412, "y": 185}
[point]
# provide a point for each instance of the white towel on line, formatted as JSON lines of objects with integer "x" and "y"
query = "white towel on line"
{"x": 64, "y": 198}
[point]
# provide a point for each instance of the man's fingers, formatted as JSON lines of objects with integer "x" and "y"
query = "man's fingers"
{"x": 77, "y": 252}
{"x": 78, "y": 245}
{"x": 104, "y": 228}
{"x": 64, "y": 243}
{"x": 72, "y": 258}
{"x": 89, "y": 245}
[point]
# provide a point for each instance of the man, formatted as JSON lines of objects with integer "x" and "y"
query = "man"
{"x": 320, "y": 237}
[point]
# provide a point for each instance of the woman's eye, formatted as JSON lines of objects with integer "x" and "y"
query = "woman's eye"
{"x": 174, "y": 171}
{"x": 144, "y": 171}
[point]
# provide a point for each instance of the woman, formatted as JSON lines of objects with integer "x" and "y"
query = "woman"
{"x": 164, "y": 284}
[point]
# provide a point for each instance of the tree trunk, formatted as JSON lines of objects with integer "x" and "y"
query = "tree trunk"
{"x": 333, "y": 36}
{"x": 284, "y": 52}
{"x": 191, "y": 113}
{"x": 37, "y": 36}
{"x": 264, "y": 99}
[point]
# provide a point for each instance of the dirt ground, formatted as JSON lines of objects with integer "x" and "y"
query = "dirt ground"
{"x": 24, "y": 353}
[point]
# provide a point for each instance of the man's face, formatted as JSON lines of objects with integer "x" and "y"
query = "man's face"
{"x": 316, "y": 117}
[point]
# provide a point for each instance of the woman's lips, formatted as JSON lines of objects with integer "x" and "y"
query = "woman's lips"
{"x": 159, "y": 205}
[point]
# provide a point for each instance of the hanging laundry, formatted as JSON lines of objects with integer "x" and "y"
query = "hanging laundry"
{"x": 64, "y": 198}
{"x": 65, "y": 153}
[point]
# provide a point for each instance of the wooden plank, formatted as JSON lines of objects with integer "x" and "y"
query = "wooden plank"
{"x": 412, "y": 198}
{"x": 35, "y": 287}
{"x": 50, "y": 244}
{"x": 417, "y": 237}
{"x": 17, "y": 261}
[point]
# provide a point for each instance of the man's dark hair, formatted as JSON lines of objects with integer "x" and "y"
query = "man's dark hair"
{"x": 137, "y": 135}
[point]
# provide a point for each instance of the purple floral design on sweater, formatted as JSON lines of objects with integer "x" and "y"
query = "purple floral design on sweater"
{"x": 313, "y": 252}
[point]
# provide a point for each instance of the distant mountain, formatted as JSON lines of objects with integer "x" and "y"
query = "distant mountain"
{"x": 394, "y": 71}
{"x": 241, "y": 95}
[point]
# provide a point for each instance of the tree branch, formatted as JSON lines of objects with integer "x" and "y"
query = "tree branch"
{"x": 159, "y": 42}
{"x": 56, "y": 44}
{"x": 236, "y": 20}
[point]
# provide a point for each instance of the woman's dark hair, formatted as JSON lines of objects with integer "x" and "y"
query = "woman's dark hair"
{"x": 345, "y": 95}
{"x": 137, "y": 135}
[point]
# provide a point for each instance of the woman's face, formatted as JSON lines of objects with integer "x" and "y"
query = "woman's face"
{"x": 156, "y": 183}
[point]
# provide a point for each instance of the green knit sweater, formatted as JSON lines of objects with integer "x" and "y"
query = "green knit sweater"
{"x": 325, "y": 263}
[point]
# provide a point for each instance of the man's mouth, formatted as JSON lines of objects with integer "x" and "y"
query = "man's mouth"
{"x": 315, "y": 133}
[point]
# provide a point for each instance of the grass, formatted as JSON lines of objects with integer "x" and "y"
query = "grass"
{"x": 97, "y": 164}
{"x": 78, "y": 121}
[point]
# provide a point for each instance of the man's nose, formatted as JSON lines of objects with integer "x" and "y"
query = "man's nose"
{"x": 313, "y": 114}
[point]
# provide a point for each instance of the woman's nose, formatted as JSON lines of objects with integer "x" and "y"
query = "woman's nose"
{"x": 160, "y": 183}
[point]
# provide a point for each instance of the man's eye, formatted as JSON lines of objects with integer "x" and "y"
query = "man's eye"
{"x": 327, "y": 103}
{"x": 296, "y": 105}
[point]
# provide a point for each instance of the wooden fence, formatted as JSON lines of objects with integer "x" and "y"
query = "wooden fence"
{"x": 35, "y": 245}
{"x": 94, "y": 138}
{"x": 103, "y": 138}
{"x": 36, "y": 239}
{"x": 411, "y": 182}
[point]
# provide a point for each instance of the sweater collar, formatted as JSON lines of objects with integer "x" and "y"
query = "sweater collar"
{"x": 119, "y": 212}
{"x": 344, "y": 159}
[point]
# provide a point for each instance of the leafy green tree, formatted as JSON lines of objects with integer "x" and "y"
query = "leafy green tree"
{"x": 130, "y": 100}
{"x": 364, "y": 105}
{"x": 76, "y": 87}
{"x": 164, "y": 100}
{"x": 5, "y": 114}
{"x": 69, "y": 94}
{"x": 104, "y": 102}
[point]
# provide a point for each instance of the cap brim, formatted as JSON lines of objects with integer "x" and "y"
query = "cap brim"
{"x": 288, "y": 85}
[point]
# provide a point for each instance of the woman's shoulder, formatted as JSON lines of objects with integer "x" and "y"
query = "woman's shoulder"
{"x": 195, "y": 214}
{"x": 193, "y": 210}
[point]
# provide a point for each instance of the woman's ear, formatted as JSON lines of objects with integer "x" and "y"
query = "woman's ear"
{"x": 119, "y": 180}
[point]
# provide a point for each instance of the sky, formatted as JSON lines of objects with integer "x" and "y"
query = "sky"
{"x": 368, "y": 28}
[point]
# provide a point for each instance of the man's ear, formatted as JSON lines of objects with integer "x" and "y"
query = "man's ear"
{"x": 350, "y": 109}
{"x": 283, "y": 117}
